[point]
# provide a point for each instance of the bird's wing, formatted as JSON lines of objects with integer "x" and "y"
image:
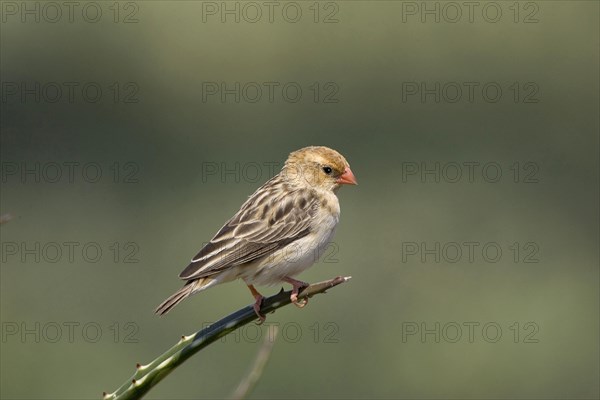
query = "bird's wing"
{"x": 269, "y": 220}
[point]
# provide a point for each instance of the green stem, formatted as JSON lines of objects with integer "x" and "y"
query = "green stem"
{"x": 147, "y": 376}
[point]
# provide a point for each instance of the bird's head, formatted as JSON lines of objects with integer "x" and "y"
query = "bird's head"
{"x": 319, "y": 167}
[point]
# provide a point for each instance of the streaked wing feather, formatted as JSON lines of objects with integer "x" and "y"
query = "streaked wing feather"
{"x": 264, "y": 224}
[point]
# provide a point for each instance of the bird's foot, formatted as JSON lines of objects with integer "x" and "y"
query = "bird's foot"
{"x": 262, "y": 318}
{"x": 298, "y": 303}
{"x": 257, "y": 304}
{"x": 297, "y": 286}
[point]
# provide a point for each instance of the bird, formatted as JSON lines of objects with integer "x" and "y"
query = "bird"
{"x": 278, "y": 232}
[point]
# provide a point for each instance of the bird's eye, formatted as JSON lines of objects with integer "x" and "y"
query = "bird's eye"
{"x": 327, "y": 170}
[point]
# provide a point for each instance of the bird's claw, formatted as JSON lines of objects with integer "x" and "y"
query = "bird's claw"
{"x": 261, "y": 317}
{"x": 297, "y": 287}
{"x": 257, "y": 303}
{"x": 298, "y": 303}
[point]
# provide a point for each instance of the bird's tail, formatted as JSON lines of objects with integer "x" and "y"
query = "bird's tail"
{"x": 189, "y": 288}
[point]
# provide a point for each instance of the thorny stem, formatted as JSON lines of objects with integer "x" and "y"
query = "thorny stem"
{"x": 147, "y": 376}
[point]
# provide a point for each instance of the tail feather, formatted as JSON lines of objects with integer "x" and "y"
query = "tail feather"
{"x": 177, "y": 297}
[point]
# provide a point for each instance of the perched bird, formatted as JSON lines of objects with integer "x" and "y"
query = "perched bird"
{"x": 278, "y": 232}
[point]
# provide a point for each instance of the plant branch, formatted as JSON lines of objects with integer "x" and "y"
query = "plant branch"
{"x": 147, "y": 376}
{"x": 247, "y": 384}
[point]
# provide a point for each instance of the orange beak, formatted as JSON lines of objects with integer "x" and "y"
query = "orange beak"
{"x": 347, "y": 178}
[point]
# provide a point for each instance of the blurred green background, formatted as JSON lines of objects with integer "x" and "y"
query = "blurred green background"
{"x": 161, "y": 132}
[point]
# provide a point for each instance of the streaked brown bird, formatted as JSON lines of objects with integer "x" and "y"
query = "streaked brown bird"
{"x": 278, "y": 232}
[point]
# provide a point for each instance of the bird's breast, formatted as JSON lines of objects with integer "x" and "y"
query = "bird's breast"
{"x": 299, "y": 255}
